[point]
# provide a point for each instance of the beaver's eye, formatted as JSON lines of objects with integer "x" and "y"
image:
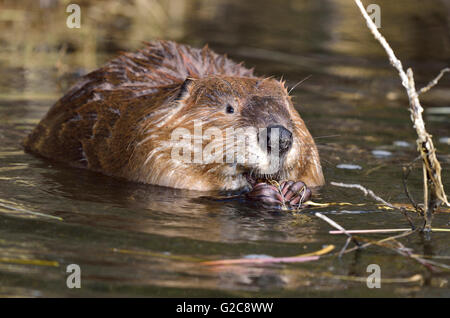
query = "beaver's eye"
{"x": 230, "y": 109}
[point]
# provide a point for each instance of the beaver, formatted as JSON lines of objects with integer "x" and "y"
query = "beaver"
{"x": 120, "y": 120}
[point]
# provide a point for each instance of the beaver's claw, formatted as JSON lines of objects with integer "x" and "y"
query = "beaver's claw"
{"x": 287, "y": 194}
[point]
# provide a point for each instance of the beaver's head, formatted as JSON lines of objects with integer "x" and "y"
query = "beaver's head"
{"x": 237, "y": 130}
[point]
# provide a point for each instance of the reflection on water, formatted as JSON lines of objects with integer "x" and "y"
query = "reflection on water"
{"x": 135, "y": 240}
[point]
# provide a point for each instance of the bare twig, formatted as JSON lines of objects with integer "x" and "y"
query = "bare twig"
{"x": 402, "y": 250}
{"x": 366, "y": 192}
{"x": 434, "y": 194}
{"x": 434, "y": 81}
{"x": 406, "y": 171}
{"x": 376, "y": 197}
{"x": 396, "y": 246}
{"x": 378, "y": 231}
{"x": 332, "y": 223}
{"x": 345, "y": 246}
{"x": 390, "y": 238}
{"x": 340, "y": 228}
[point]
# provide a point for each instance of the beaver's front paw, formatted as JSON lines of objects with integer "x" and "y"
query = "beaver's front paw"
{"x": 295, "y": 194}
{"x": 265, "y": 193}
{"x": 287, "y": 194}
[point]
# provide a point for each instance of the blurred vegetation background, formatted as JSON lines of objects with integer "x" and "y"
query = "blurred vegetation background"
{"x": 302, "y": 36}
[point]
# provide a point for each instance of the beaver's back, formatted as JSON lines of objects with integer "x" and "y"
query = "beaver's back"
{"x": 92, "y": 125}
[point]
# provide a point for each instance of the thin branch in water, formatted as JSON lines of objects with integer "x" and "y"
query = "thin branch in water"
{"x": 377, "y": 198}
{"x": 402, "y": 250}
{"x": 370, "y": 231}
{"x": 432, "y": 178}
{"x": 390, "y": 238}
{"x": 337, "y": 226}
{"x": 406, "y": 171}
{"x": 414, "y": 204}
{"x": 344, "y": 247}
{"x": 364, "y": 190}
{"x": 378, "y": 231}
{"x": 399, "y": 248}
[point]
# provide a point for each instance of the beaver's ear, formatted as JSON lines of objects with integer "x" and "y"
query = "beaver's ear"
{"x": 184, "y": 88}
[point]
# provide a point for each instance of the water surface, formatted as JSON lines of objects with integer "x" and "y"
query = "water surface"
{"x": 139, "y": 240}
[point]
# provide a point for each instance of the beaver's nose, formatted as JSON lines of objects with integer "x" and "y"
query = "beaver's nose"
{"x": 284, "y": 138}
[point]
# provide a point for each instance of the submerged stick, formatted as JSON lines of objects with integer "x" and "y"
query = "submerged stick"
{"x": 313, "y": 256}
{"x": 434, "y": 194}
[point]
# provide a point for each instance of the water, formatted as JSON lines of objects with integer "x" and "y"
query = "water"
{"x": 140, "y": 240}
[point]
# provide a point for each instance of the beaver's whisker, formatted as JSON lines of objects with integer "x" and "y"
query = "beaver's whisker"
{"x": 298, "y": 83}
{"x": 329, "y": 136}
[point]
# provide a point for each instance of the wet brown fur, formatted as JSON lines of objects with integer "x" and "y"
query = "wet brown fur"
{"x": 119, "y": 118}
